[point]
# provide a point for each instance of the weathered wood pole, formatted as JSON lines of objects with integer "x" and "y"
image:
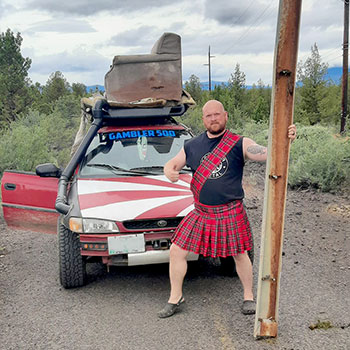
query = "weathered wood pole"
{"x": 344, "y": 99}
{"x": 281, "y": 116}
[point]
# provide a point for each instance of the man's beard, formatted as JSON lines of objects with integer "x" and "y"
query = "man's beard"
{"x": 216, "y": 131}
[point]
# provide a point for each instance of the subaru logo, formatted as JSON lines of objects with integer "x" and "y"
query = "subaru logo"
{"x": 161, "y": 223}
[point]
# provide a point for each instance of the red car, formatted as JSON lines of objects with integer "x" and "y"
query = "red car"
{"x": 112, "y": 202}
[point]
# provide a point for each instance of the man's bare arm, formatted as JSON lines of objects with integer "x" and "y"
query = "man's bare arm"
{"x": 174, "y": 165}
{"x": 253, "y": 151}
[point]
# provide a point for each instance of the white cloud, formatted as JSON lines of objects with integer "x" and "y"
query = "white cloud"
{"x": 80, "y": 38}
{"x": 61, "y": 25}
{"x": 75, "y": 66}
{"x": 237, "y": 13}
{"x": 139, "y": 37}
{"x": 91, "y": 8}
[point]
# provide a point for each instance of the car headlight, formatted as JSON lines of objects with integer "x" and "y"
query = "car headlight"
{"x": 81, "y": 225}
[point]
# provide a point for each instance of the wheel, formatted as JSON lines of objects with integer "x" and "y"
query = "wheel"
{"x": 228, "y": 266}
{"x": 71, "y": 263}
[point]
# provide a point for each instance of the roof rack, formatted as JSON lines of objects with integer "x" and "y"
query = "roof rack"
{"x": 102, "y": 111}
{"x": 164, "y": 111}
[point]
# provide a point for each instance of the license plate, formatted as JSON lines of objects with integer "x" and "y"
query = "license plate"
{"x": 126, "y": 244}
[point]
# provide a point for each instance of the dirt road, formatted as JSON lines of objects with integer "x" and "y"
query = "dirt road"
{"x": 117, "y": 310}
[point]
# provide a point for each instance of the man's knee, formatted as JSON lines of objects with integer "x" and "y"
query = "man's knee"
{"x": 177, "y": 253}
{"x": 241, "y": 257}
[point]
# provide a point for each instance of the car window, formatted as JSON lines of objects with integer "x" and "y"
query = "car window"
{"x": 132, "y": 152}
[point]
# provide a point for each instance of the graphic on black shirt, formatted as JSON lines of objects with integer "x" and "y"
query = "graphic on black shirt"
{"x": 220, "y": 169}
{"x": 225, "y": 183}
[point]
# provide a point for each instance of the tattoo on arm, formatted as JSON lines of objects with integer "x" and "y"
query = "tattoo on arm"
{"x": 256, "y": 149}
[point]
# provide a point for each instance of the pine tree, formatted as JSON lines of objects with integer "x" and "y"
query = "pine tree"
{"x": 193, "y": 87}
{"x": 313, "y": 88}
{"x": 79, "y": 89}
{"x": 236, "y": 85}
{"x": 55, "y": 88}
{"x": 14, "y": 81}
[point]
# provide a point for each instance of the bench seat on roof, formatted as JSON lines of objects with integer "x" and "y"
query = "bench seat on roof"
{"x": 156, "y": 75}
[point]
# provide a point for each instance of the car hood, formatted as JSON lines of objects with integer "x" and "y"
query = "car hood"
{"x": 138, "y": 197}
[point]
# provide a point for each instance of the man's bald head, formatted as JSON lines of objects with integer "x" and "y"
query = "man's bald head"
{"x": 213, "y": 104}
{"x": 214, "y": 118}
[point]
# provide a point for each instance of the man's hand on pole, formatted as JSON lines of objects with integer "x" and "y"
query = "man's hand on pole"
{"x": 292, "y": 132}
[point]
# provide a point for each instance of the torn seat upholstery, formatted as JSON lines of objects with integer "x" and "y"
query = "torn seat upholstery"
{"x": 156, "y": 75}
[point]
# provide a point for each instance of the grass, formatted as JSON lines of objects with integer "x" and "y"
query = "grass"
{"x": 321, "y": 325}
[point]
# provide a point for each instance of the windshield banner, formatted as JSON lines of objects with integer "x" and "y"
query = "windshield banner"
{"x": 120, "y": 135}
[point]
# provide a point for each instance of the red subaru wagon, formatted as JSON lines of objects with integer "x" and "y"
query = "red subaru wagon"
{"x": 112, "y": 203}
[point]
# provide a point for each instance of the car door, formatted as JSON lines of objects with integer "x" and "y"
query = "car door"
{"x": 28, "y": 201}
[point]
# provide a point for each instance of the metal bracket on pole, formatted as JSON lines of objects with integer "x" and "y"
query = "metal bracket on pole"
{"x": 285, "y": 72}
{"x": 268, "y": 278}
{"x": 274, "y": 177}
{"x": 281, "y": 116}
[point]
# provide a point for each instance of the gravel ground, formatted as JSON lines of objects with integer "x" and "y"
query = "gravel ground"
{"x": 117, "y": 310}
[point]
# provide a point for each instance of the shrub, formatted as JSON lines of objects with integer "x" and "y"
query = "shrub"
{"x": 35, "y": 139}
{"x": 319, "y": 159}
{"x": 193, "y": 119}
{"x": 257, "y": 131}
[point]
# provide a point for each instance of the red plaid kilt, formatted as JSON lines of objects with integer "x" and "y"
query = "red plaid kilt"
{"x": 216, "y": 231}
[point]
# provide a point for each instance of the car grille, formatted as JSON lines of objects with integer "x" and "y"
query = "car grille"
{"x": 152, "y": 224}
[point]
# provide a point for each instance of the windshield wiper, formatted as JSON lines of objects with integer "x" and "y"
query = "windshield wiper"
{"x": 161, "y": 168}
{"x": 116, "y": 169}
{"x": 151, "y": 167}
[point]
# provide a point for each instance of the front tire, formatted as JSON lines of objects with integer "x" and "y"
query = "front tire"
{"x": 72, "y": 264}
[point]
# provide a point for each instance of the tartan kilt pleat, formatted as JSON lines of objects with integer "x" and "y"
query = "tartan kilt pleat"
{"x": 215, "y": 231}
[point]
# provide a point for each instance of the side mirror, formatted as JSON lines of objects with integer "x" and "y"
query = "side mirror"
{"x": 48, "y": 170}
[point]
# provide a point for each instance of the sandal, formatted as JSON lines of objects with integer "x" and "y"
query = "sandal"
{"x": 248, "y": 307}
{"x": 170, "y": 308}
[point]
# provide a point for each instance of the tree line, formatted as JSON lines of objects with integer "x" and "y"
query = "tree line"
{"x": 18, "y": 93}
{"x": 38, "y": 122}
{"x": 317, "y": 99}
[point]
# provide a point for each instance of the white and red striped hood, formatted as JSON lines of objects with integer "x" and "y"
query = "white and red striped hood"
{"x": 139, "y": 197}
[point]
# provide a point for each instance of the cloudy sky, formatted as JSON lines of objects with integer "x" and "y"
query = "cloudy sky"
{"x": 81, "y": 37}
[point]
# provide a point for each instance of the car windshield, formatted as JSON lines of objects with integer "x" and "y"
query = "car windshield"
{"x": 132, "y": 152}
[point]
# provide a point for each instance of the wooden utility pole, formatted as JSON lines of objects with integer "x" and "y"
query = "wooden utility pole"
{"x": 281, "y": 116}
{"x": 344, "y": 100}
{"x": 209, "y": 66}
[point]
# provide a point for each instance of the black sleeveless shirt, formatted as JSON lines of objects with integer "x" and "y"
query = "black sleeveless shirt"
{"x": 225, "y": 183}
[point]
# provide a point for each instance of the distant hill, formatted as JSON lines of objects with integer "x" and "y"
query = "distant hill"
{"x": 205, "y": 84}
{"x": 334, "y": 74}
{"x": 92, "y": 88}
